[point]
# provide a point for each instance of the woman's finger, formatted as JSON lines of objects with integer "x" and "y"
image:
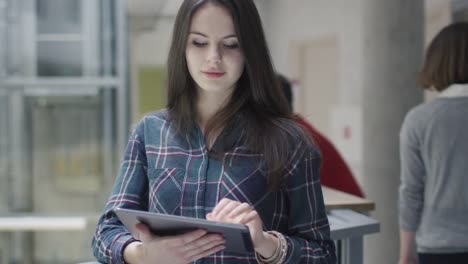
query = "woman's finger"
{"x": 208, "y": 252}
{"x": 241, "y": 209}
{"x": 251, "y": 216}
{"x": 202, "y": 241}
{"x": 222, "y": 215}
{"x": 220, "y": 206}
{"x": 203, "y": 245}
{"x": 187, "y": 238}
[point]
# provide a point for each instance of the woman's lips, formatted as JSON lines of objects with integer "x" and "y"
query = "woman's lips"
{"x": 213, "y": 74}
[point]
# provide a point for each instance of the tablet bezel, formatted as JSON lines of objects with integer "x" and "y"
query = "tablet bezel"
{"x": 237, "y": 236}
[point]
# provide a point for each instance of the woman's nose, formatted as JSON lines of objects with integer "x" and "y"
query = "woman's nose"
{"x": 214, "y": 55}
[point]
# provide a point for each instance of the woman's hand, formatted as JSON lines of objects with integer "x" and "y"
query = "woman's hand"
{"x": 229, "y": 211}
{"x": 179, "y": 249}
{"x": 408, "y": 253}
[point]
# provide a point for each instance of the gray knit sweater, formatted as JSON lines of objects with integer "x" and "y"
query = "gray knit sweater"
{"x": 434, "y": 173}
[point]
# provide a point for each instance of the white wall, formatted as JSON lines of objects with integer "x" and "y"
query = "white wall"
{"x": 300, "y": 21}
{"x": 152, "y": 47}
{"x": 296, "y": 20}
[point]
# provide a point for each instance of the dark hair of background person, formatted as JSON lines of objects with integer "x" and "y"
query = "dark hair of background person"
{"x": 258, "y": 97}
{"x": 446, "y": 60}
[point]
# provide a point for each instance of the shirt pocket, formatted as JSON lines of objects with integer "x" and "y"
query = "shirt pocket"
{"x": 165, "y": 190}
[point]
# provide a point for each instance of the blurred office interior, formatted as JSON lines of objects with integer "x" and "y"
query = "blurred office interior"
{"x": 76, "y": 74}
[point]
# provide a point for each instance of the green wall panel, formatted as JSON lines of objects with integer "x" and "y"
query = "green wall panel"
{"x": 151, "y": 89}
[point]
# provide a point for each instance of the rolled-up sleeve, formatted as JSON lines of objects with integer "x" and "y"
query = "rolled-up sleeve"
{"x": 130, "y": 191}
{"x": 308, "y": 230}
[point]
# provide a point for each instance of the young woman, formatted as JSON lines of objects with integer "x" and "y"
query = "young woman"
{"x": 434, "y": 155}
{"x": 226, "y": 149}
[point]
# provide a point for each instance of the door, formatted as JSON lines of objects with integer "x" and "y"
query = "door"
{"x": 315, "y": 63}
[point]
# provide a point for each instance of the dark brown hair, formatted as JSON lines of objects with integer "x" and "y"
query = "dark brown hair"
{"x": 446, "y": 59}
{"x": 257, "y": 98}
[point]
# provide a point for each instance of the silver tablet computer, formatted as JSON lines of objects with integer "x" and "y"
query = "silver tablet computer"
{"x": 237, "y": 236}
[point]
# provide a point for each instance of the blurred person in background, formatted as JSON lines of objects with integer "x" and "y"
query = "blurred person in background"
{"x": 334, "y": 171}
{"x": 433, "y": 203}
{"x": 226, "y": 149}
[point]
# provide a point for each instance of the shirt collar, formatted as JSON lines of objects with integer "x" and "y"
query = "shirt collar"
{"x": 455, "y": 90}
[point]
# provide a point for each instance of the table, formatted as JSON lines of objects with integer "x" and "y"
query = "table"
{"x": 349, "y": 223}
{"x": 335, "y": 199}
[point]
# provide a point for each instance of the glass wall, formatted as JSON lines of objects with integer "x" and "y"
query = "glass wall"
{"x": 63, "y": 120}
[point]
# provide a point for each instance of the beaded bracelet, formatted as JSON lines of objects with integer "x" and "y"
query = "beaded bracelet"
{"x": 280, "y": 253}
{"x": 284, "y": 246}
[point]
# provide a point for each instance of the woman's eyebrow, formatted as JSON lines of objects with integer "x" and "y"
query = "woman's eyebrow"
{"x": 206, "y": 36}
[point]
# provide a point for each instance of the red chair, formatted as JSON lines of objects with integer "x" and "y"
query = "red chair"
{"x": 334, "y": 172}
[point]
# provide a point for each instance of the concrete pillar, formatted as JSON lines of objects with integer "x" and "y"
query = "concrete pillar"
{"x": 392, "y": 52}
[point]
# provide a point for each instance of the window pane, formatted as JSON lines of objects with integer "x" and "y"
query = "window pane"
{"x": 58, "y": 16}
{"x": 59, "y": 59}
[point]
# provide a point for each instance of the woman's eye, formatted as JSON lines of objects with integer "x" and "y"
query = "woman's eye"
{"x": 199, "y": 44}
{"x": 231, "y": 46}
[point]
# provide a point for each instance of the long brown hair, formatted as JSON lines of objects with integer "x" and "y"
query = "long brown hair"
{"x": 446, "y": 59}
{"x": 257, "y": 98}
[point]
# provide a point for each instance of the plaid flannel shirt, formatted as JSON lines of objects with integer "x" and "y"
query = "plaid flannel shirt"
{"x": 167, "y": 173}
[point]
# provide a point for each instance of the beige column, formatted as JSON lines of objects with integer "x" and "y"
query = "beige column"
{"x": 392, "y": 52}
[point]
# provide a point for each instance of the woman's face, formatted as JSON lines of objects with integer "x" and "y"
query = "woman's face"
{"x": 213, "y": 55}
